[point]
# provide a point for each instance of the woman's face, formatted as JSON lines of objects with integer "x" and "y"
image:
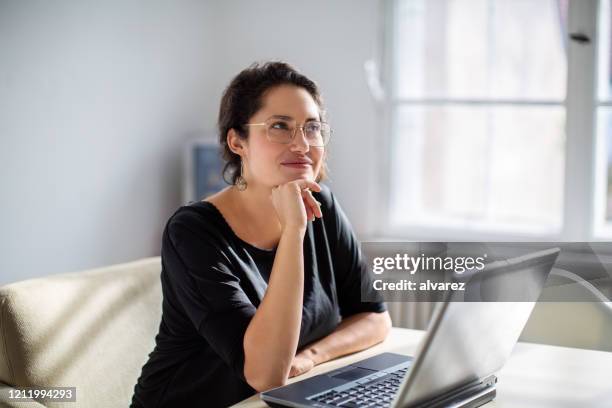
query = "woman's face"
{"x": 268, "y": 163}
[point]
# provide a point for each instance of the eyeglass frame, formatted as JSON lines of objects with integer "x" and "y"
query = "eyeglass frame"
{"x": 294, "y": 131}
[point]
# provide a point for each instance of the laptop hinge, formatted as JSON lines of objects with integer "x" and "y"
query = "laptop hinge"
{"x": 469, "y": 395}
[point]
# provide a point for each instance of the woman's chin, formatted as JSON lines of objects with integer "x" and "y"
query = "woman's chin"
{"x": 293, "y": 177}
{"x": 305, "y": 176}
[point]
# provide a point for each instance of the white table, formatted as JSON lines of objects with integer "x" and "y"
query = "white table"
{"x": 535, "y": 375}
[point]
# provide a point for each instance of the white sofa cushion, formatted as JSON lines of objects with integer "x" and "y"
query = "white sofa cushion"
{"x": 92, "y": 330}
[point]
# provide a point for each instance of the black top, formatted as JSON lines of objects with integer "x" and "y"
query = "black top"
{"x": 213, "y": 282}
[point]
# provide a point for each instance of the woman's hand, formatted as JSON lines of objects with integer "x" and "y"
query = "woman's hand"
{"x": 294, "y": 203}
{"x": 300, "y": 365}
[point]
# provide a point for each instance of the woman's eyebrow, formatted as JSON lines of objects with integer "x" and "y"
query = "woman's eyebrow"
{"x": 285, "y": 117}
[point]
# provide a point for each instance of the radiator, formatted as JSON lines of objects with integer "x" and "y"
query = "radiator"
{"x": 411, "y": 315}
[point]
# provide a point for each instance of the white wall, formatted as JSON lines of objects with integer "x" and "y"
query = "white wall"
{"x": 97, "y": 97}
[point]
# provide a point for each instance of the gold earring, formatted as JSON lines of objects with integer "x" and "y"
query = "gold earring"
{"x": 241, "y": 183}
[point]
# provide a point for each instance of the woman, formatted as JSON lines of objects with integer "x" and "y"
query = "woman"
{"x": 262, "y": 280}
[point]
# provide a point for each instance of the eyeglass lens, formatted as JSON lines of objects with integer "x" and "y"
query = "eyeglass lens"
{"x": 282, "y": 131}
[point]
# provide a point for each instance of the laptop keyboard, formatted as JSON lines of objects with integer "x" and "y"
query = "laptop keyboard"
{"x": 376, "y": 393}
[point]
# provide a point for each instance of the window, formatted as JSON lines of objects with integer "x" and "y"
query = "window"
{"x": 603, "y": 107}
{"x": 483, "y": 118}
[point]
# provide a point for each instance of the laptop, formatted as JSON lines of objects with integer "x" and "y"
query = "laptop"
{"x": 468, "y": 340}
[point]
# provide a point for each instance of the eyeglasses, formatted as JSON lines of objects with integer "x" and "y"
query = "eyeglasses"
{"x": 283, "y": 130}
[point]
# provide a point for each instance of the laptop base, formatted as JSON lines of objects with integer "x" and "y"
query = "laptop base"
{"x": 472, "y": 397}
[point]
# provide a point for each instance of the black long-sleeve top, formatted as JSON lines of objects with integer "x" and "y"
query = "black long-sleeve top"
{"x": 212, "y": 284}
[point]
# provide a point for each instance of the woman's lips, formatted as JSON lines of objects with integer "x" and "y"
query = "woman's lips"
{"x": 296, "y": 165}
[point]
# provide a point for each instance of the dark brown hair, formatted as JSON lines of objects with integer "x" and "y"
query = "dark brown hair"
{"x": 244, "y": 97}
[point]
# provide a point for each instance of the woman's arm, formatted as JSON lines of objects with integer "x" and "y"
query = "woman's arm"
{"x": 272, "y": 336}
{"x": 365, "y": 324}
{"x": 355, "y": 333}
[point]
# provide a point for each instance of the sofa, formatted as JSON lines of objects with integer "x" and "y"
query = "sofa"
{"x": 94, "y": 329}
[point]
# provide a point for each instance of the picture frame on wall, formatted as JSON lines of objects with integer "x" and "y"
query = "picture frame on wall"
{"x": 202, "y": 169}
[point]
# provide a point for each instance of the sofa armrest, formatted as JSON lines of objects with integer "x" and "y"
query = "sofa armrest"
{"x": 22, "y": 403}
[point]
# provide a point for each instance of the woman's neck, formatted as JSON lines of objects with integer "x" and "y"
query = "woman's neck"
{"x": 255, "y": 205}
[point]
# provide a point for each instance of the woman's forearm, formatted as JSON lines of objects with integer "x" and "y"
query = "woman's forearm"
{"x": 272, "y": 336}
{"x": 353, "y": 334}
